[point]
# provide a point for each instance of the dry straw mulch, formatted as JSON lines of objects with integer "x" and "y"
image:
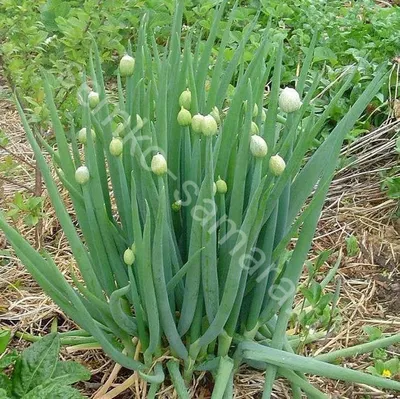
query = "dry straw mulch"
{"x": 370, "y": 281}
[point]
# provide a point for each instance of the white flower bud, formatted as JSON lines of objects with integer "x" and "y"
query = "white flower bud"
{"x": 289, "y": 100}
{"x": 254, "y": 128}
{"x": 209, "y": 126}
{"x": 185, "y": 99}
{"x": 159, "y": 164}
{"x": 116, "y": 147}
{"x": 197, "y": 122}
{"x": 139, "y": 122}
{"x": 222, "y": 187}
{"x": 258, "y": 146}
{"x": 277, "y": 165}
{"x": 126, "y": 65}
{"x": 82, "y": 137}
{"x": 263, "y": 115}
{"x": 129, "y": 257}
{"x": 93, "y": 99}
{"x": 255, "y": 110}
{"x": 215, "y": 114}
{"x": 184, "y": 117}
{"x": 82, "y": 175}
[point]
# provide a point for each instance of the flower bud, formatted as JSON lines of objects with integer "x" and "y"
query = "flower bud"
{"x": 184, "y": 117}
{"x": 133, "y": 248}
{"x": 254, "y": 128}
{"x": 255, "y": 110}
{"x": 214, "y": 188}
{"x": 126, "y": 65}
{"x": 93, "y": 99}
{"x": 82, "y": 137}
{"x": 222, "y": 187}
{"x": 263, "y": 115}
{"x": 82, "y": 175}
{"x": 129, "y": 257}
{"x": 185, "y": 99}
{"x": 258, "y": 146}
{"x": 197, "y": 122}
{"x": 215, "y": 114}
{"x": 116, "y": 147}
{"x": 276, "y": 165}
{"x": 120, "y": 130}
{"x": 209, "y": 126}
{"x": 159, "y": 164}
{"x": 177, "y": 205}
{"x": 289, "y": 100}
{"x": 139, "y": 122}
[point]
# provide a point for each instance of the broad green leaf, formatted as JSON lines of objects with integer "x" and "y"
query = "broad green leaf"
{"x": 36, "y": 364}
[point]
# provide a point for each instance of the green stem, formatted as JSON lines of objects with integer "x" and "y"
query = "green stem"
{"x": 223, "y": 376}
{"x": 177, "y": 380}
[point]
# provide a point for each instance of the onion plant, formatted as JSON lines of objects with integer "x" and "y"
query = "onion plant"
{"x": 187, "y": 194}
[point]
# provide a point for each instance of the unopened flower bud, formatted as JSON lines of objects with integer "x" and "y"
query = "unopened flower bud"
{"x": 215, "y": 114}
{"x": 116, "y": 147}
{"x": 120, "y": 130}
{"x": 209, "y": 126}
{"x": 82, "y": 135}
{"x": 254, "y": 128}
{"x": 82, "y": 175}
{"x": 222, "y": 187}
{"x": 126, "y": 65}
{"x": 184, "y": 117}
{"x": 177, "y": 205}
{"x": 133, "y": 248}
{"x": 129, "y": 257}
{"x": 185, "y": 99}
{"x": 255, "y": 110}
{"x": 289, "y": 100}
{"x": 276, "y": 165}
{"x": 93, "y": 99}
{"x": 139, "y": 122}
{"x": 263, "y": 115}
{"x": 197, "y": 122}
{"x": 258, "y": 146}
{"x": 159, "y": 164}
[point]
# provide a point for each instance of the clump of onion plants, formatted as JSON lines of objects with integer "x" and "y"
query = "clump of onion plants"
{"x": 187, "y": 196}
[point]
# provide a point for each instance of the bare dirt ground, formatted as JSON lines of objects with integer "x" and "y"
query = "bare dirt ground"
{"x": 356, "y": 205}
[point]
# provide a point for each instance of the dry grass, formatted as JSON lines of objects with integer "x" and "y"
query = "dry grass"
{"x": 355, "y": 205}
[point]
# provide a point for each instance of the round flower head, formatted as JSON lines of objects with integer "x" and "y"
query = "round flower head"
{"x": 289, "y": 100}
{"x": 215, "y": 114}
{"x": 197, "y": 122}
{"x": 254, "y": 128}
{"x": 276, "y": 165}
{"x": 185, "y": 99}
{"x": 222, "y": 187}
{"x": 159, "y": 164}
{"x": 82, "y": 135}
{"x": 209, "y": 126}
{"x": 126, "y": 65}
{"x": 93, "y": 99}
{"x": 82, "y": 175}
{"x": 258, "y": 146}
{"x": 184, "y": 117}
{"x": 129, "y": 257}
{"x": 116, "y": 147}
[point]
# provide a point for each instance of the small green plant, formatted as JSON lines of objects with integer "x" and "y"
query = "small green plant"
{"x": 29, "y": 207}
{"x": 352, "y": 246}
{"x": 37, "y": 372}
{"x": 187, "y": 212}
